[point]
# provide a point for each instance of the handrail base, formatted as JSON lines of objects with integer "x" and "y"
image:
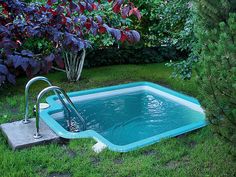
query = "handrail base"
{"x": 25, "y": 121}
{"x": 37, "y": 136}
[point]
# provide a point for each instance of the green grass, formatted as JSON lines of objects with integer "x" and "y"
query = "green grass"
{"x": 199, "y": 153}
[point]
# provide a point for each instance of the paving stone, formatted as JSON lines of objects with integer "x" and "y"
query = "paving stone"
{"x": 20, "y": 135}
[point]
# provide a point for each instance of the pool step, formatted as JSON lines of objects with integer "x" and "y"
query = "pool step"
{"x": 20, "y": 135}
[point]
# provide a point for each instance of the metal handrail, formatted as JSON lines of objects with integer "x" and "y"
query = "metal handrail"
{"x": 57, "y": 89}
{"x": 30, "y": 82}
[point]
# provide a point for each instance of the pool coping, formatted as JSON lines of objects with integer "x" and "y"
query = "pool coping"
{"x": 59, "y": 130}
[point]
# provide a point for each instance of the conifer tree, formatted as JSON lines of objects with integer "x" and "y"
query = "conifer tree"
{"x": 216, "y": 33}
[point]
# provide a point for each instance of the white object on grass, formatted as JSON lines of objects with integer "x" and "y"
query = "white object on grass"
{"x": 99, "y": 147}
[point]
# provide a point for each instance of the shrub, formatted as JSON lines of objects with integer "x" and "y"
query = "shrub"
{"x": 176, "y": 29}
{"x": 166, "y": 28}
{"x": 216, "y": 34}
{"x": 170, "y": 22}
{"x": 38, "y": 45}
{"x": 166, "y": 23}
{"x": 66, "y": 23}
{"x": 19, "y": 27}
{"x": 131, "y": 55}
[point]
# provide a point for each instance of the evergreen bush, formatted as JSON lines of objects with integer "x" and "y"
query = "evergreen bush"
{"x": 216, "y": 47}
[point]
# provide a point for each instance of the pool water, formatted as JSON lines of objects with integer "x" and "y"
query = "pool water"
{"x": 127, "y": 118}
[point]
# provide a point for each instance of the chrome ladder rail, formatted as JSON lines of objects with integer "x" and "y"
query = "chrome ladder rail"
{"x": 27, "y": 87}
{"x": 56, "y": 89}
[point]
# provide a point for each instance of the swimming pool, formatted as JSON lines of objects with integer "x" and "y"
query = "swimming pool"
{"x": 129, "y": 116}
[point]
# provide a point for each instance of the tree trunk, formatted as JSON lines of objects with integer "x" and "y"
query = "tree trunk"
{"x": 74, "y": 63}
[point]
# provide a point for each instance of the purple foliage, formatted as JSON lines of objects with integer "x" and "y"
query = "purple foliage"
{"x": 5, "y": 75}
{"x": 62, "y": 22}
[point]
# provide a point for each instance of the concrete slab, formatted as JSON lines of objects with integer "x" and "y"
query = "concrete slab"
{"x": 20, "y": 135}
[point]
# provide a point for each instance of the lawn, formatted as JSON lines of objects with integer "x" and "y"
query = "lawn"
{"x": 199, "y": 153}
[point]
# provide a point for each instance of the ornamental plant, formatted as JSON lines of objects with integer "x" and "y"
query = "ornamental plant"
{"x": 66, "y": 24}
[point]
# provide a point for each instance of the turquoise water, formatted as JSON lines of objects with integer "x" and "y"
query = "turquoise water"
{"x": 127, "y": 118}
